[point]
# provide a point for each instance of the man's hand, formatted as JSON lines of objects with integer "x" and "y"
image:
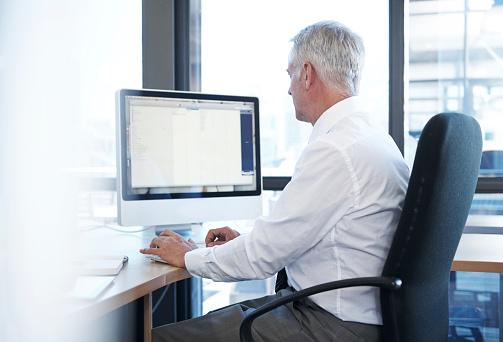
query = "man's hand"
{"x": 171, "y": 247}
{"x": 219, "y": 236}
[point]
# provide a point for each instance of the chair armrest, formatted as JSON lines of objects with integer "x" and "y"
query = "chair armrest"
{"x": 389, "y": 283}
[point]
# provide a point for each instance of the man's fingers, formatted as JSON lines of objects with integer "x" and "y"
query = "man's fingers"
{"x": 216, "y": 233}
{"x": 210, "y": 237}
{"x": 158, "y": 242}
{"x": 219, "y": 236}
{"x": 213, "y": 234}
{"x": 149, "y": 251}
{"x": 215, "y": 243}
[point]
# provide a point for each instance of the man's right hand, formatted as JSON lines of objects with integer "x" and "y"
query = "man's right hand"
{"x": 219, "y": 236}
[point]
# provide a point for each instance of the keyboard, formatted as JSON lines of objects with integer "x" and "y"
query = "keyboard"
{"x": 155, "y": 258}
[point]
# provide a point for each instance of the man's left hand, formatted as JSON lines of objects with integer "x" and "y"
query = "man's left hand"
{"x": 171, "y": 247}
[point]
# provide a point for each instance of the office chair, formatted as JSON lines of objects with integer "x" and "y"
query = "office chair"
{"x": 415, "y": 278}
{"x": 467, "y": 318}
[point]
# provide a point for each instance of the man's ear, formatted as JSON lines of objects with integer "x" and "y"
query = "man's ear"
{"x": 310, "y": 74}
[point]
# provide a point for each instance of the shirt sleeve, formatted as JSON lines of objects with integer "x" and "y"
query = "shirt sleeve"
{"x": 321, "y": 191}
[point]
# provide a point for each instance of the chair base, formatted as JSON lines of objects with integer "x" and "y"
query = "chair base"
{"x": 476, "y": 335}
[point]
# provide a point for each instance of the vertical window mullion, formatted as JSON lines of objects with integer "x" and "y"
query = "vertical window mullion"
{"x": 396, "y": 71}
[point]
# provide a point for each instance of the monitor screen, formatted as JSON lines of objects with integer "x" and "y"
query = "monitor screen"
{"x": 186, "y": 157}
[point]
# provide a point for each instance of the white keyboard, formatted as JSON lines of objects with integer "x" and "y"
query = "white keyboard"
{"x": 155, "y": 258}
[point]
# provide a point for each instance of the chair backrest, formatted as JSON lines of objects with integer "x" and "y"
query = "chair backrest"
{"x": 438, "y": 199}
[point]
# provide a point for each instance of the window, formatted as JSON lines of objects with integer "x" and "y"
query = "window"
{"x": 109, "y": 55}
{"x": 456, "y": 65}
{"x": 246, "y": 51}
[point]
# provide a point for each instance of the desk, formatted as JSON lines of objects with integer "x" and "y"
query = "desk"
{"x": 484, "y": 224}
{"x": 479, "y": 253}
{"x": 138, "y": 278}
{"x": 482, "y": 253}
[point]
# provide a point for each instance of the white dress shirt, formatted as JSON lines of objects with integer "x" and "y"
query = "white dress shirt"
{"x": 334, "y": 220}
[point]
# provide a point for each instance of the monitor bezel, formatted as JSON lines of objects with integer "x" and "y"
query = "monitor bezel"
{"x": 122, "y": 168}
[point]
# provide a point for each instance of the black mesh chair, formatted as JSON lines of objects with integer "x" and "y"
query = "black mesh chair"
{"x": 415, "y": 279}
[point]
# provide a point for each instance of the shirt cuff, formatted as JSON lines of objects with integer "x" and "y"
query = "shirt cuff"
{"x": 195, "y": 262}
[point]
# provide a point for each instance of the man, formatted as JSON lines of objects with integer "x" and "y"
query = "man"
{"x": 334, "y": 220}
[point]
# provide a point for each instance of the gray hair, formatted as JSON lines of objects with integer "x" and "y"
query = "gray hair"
{"x": 335, "y": 52}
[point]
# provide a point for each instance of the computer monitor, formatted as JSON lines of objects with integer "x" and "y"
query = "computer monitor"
{"x": 186, "y": 158}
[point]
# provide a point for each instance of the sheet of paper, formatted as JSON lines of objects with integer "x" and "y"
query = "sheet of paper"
{"x": 88, "y": 287}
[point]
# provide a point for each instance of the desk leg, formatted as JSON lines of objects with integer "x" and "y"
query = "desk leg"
{"x": 147, "y": 317}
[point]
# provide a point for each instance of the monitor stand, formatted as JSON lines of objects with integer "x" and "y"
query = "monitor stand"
{"x": 174, "y": 227}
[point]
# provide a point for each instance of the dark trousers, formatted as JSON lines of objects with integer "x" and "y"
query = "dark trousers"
{"x": 299, "y": 321}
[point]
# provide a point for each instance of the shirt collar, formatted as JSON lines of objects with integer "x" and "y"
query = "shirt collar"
{"x": 332, "y": 115}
